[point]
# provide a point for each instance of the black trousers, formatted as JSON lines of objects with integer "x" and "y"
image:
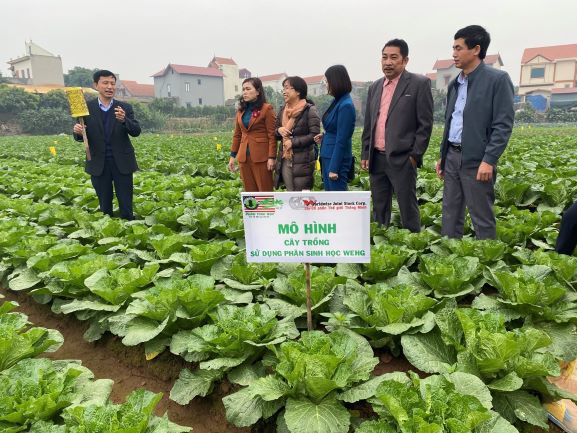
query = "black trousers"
{"x": 386, "y": 179}
{"x": 567, "y": 240}
{"x": 123, "y": 186}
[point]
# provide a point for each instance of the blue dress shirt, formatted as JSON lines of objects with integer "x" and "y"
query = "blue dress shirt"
{"x": 456, "y": 128}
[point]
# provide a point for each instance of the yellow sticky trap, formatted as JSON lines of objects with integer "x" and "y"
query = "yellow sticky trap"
{"x": 151, "y": 355}
{"x": 52, "y": 150}
{"x": 218, "y": 147}
{"x": 78, "y": 107}
{"x": 318, "y": 165}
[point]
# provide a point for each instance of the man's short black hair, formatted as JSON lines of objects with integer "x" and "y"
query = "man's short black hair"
{"x": 338, "y": 81}
{"x": 103, "y": 73}
{"x": 400, "y": 44}
{"x": 475, "y": 35}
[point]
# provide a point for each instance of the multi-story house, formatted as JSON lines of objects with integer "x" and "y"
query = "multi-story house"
{"x": 193, "y": 86}
{"x": 549, "y": 76}
{"x": 231, "y": 76}
{"x": 37, "y": 66}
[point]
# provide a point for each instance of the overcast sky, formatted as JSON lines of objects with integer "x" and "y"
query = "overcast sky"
{"x": 137, "y": 38}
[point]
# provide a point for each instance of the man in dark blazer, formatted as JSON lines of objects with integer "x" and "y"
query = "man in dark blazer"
{"x": 478, "y": 123}
{"x": 112, "y": 162}
{"x": 398, "y": 125}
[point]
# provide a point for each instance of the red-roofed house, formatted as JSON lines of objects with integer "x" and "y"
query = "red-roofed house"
{"x": 317, "y": 85}
{"x": 274, "y": 81}
{"x": 546, "y": 69}
{"x": 193, "y": 86}
{"x": 127, "y": 89}
{"x": 445, "y": 70}
{"x": 231, "y": 79}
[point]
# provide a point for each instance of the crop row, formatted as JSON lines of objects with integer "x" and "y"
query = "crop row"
{"x": 41, "y": 395}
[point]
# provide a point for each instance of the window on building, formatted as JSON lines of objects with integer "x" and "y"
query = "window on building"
{"x": 188, "y": 105}
{"x": 28, "y": 72}
{"x": 447, "y": 79}
{"x": 168, "y": 90}
{"x": 187, "y": 87}
{"x": 199, "y": 101}
{"x": 538, "y": 73}
{"x": 199, "y": 82}
{"x": 236, "y": 88}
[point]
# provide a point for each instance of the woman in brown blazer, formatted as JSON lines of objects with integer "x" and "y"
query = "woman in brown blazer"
{"x": 254, "y": 142}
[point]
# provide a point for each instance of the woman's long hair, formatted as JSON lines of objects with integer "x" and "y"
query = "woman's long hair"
{"x": 260, "y": 99}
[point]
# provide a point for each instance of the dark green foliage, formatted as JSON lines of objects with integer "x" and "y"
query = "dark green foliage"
{"x": 15, "y": 100}
{"x": 46, "y": 121}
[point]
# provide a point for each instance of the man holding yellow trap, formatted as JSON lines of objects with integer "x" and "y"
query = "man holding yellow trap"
{"x": 110, "y": 155}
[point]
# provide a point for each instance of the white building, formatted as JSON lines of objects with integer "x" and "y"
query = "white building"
{"x": 38, "y": 67}
{"x": 274, "y": 81}
{"x": 231, "y": 79}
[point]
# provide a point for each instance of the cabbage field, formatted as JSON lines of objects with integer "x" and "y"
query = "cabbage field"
{"x": 482, "y": 324}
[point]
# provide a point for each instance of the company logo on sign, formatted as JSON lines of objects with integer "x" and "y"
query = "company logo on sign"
{"x": 302, "y": 202}
{"x": 261, "y": 203}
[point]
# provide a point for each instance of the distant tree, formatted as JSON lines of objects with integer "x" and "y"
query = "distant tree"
{"x": 54, "y": 99}
{"x": 164, "y": 105}
{"x": 150, "y": 120}
{"x": 273, "y": 97}
{"x": 363, "y": 93}
{"x": 527, "y": 114}
{"x": 322, "y": 102}
{"x": 79, "y": 77}
{"x": 439, "y": 104}
{"x": 46, "y": 121}
{"x": 14, "y": 100}
{"x": 2, "y": 79}
{"x": 567, "y": 114}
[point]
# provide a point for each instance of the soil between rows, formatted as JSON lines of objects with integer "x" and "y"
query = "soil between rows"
{"x": 108, "y": 358}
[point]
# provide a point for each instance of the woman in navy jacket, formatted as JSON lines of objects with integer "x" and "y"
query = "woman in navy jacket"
{"x": 339, "y": 123}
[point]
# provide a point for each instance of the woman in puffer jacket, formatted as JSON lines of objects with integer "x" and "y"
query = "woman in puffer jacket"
{"x": 297, "y": 123}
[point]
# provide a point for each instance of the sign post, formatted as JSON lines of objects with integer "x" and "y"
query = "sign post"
{"x": 309, "y": 302}
{"x": 307, "y": 227}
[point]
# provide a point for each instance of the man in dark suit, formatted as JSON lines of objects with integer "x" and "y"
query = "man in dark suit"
{"x": 112, "y": 155}
{"x": 398, "y": 125}
{"x": 478, "y": 123}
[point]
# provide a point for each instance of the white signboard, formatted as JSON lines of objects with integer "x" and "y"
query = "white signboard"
{"x": 307, "y": 227}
